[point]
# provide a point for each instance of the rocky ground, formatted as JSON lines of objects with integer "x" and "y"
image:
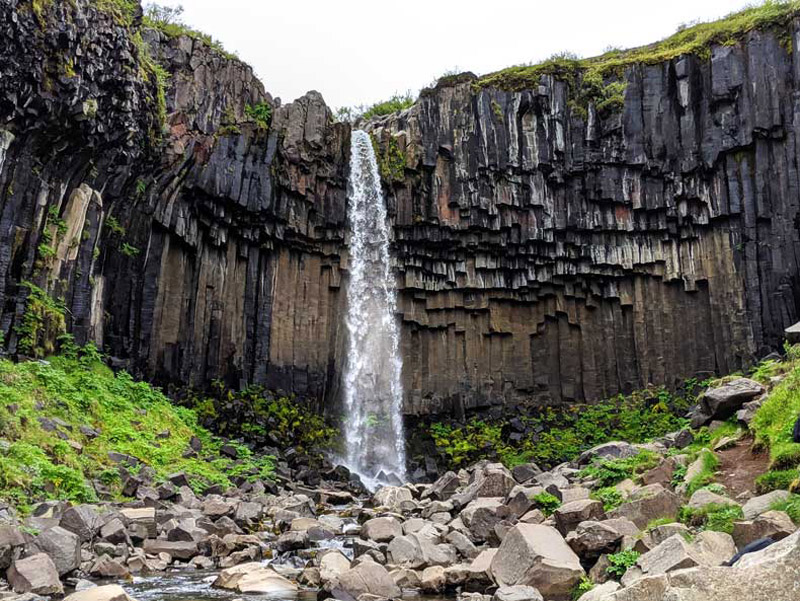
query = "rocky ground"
{"x": 483, "y": 533}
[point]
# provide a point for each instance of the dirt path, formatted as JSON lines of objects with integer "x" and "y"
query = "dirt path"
{"x": 739, "y": 467}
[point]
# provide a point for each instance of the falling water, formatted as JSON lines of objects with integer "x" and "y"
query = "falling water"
{"x": 372, "y": 387}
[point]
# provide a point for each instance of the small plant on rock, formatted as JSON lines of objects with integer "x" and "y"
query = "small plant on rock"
{"x": 620, "y": 562}
{"x": 546, "y": 502}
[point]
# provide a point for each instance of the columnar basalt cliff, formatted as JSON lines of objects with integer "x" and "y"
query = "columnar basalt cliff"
{"x": 546, "y": 251}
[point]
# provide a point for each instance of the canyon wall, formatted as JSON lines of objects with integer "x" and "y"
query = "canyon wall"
{"x": 544, "y": 254}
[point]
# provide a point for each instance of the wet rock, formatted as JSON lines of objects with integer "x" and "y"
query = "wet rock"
{"x": 332, "y": 565}
{"x": 366, "y": 577}
{"x": 392, "y": 497}
{"x": 517, "y": 593}
{"x": 254, "y": 578}
{"x": 433, "y": 579}
{"x": 108, "y": 567}
{"x": 109, "y": 592}
{"x": 176, "y": 549}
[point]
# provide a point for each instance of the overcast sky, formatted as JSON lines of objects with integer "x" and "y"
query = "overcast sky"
{"x": 363, "y": 51}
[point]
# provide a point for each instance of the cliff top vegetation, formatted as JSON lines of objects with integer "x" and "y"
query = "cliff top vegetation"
{"x": 695, "y": 39}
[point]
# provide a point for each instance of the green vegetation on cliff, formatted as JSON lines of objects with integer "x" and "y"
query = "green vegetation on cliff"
{"x": 68, "y": 421}
{"x": 695, "y": 39}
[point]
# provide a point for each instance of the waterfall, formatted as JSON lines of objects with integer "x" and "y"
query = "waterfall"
{"x": 373, "y": 391}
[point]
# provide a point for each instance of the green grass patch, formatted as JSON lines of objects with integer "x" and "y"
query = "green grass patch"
{"x": 791, "y": 506}
{"x": 709, "y": 463}
{"x": 774, "y": 421}
{"x": 131, "y": 417}
{"x": 716, "y": 517}
{"x": 607, "y": 472}
{"x": 776, "y": 480}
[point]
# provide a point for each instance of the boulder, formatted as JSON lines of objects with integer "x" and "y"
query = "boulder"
{"x": 254, "y": 578}
{"x": 761, "y": 504}
{"x": 722, "y": 402}
{"x": 767, "y": 575}
{"x": 381, "y": 530}
{"x": 608, "y": 450}
{"x": 525, "y": 472}
{"x": 406, "y": 578}
{"x": 482, "y": 515}
{"x": 462, "y": 544}
{"x": 647, "y": 504}
{"x": 433, "y": 579}
{"x": 673, "y": 554}
{"x": 570, "y": 515}
{"x": 176, "y": 549}
{"x": 36, "y": 574}
{"x": 109, "y": 592}
{"x": 82, "y": 520}
{"x": 444, "y": 488}
{"x": 776, "y": 525}
{"x": 63, "y": 547}
{"x": 480, "y": 570}
{"x": 108, "y": 567}
{"x": 517, "y": 593}
{"x": 601, "y": 591}
{"x": 537, "y": 555}
{"x": 391, "y": 497}
{"x": 365, "y": 578}
{"x": 713, "y": 548}
{"x": 704, "y": 497}
{"x": 332, "y": 565}
{"x": 591, "y": 539}
{"x": 417, "y": 550}
{"x": 11, "y": 543}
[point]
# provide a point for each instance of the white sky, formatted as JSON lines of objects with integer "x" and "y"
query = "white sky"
{"x": 363, "y": 51}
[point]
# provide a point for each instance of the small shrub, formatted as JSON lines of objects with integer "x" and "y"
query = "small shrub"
{"x": 546, "y": 502}
{"x": 716, "y": 517}
{"x": 608, "y": 472}
{"x": 43, "y": 322}
{"x": 395, "y": 104}
{"x": 582, "y": 587}
{"x": 129, "y": 250}
{"x": 610, "y": 497}
{"x": 709, "y": 462}
{"x": 620, "y": 562}
{"x": 261, "y": 113}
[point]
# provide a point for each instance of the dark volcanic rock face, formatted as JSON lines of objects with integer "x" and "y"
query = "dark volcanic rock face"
{"x": 542, "y": 255}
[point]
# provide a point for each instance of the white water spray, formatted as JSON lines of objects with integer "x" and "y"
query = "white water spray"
{"x": 373, "y": 390}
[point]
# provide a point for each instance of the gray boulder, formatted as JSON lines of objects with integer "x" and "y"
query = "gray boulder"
{"x": 365, "y": 578}
{"x": 761, "y": 504}
{"x": 109, "y": 592}
{"x": 776, "y": 525}
{"x": 517, "y": 593}
{"x": 722, "y": 402}
{"x": 570, "y": 515}
{"x": 537, "y": 556}
{"x": 254, "y": 578}
{"x": 36, "y": 574}
{"x": 63, "y": 547}
{"x": 381, "y": 530}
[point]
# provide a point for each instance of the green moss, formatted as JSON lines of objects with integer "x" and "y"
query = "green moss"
{"x": 40, "y": 8}
{"x": 112, "y": 223}
{"x": 129, "y": 250}
{"x": 696, "y": 40}
{"x": 167, "y": 20}
{"x": 43, "y": 322}
{"x": 391, "y": 160}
